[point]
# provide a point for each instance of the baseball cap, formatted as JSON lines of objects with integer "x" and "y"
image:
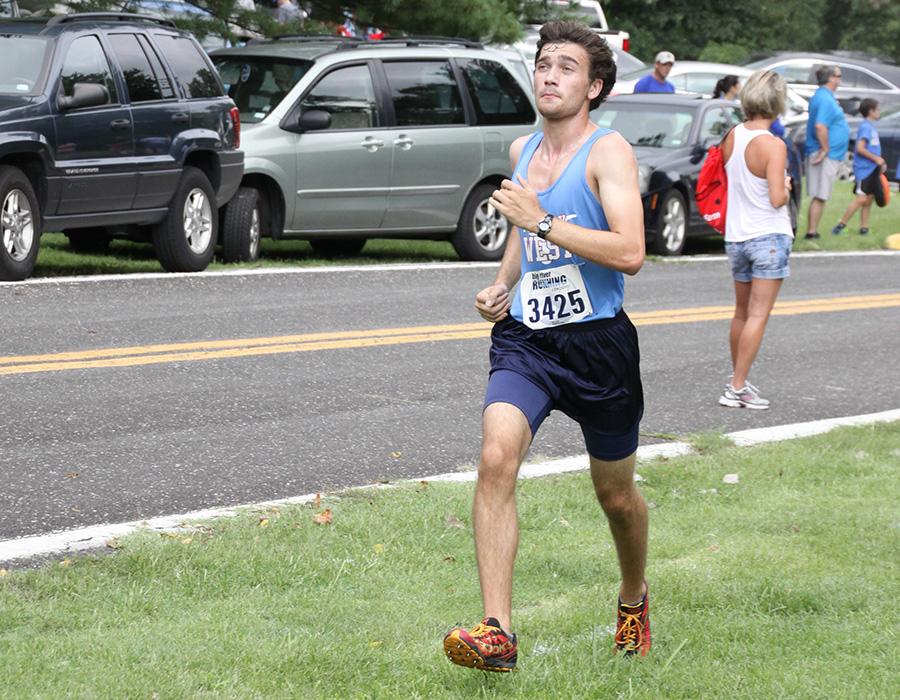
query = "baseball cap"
{"x": 665, "y": 57}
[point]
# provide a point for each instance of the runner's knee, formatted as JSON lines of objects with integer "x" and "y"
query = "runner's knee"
{"x": 618, "y": 503}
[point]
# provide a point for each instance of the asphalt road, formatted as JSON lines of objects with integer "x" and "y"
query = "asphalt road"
{"x": 84, "y": 446}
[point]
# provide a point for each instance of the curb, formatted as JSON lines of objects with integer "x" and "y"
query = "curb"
{"x": 94, "y": 537}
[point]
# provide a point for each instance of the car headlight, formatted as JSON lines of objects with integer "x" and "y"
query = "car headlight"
{"x": 644, "y": 178}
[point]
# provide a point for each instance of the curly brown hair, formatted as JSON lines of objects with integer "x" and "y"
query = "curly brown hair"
{"x": 603, "y": 62}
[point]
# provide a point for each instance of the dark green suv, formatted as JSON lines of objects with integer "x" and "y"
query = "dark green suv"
{"x": 111, "y": 125}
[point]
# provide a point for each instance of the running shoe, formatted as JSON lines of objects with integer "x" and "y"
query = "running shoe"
{"x": 838, "y": 228}
{"x": 812, "y": 235}
{"x": 864, "y": 232}
{"x": 486, "y": 646}
{"x": 748, "y": 397}
{"x": 633, "y": 627}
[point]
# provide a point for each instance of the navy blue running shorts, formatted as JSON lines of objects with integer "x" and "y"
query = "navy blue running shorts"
{"x": 590, "y": 371}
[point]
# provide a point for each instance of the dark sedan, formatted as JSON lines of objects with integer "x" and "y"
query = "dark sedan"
{"x": 670, "y": 135}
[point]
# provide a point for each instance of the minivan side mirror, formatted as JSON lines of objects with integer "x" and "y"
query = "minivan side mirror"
{"x": 84, "y": 95}
{"x": 313, "y": 120}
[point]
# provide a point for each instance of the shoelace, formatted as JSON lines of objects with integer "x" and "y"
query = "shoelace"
{"x": 630, "y": 632}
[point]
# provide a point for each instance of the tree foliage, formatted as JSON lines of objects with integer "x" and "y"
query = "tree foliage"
{"x": 705, "y": 29}
{"x": 717, "y": 30}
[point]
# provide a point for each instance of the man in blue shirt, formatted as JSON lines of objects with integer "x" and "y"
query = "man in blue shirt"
{"x": 656, "y": 81}
{"x": 827, "y": 140}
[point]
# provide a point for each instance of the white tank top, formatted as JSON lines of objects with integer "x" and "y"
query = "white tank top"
{"x": 750, "y": 213}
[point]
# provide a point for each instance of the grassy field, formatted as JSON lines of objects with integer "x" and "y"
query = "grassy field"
{"x": 783, "y": 585}
{"x": 56, "y": 258}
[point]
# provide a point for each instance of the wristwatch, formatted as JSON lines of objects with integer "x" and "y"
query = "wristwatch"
{"x": 544, "y": 226}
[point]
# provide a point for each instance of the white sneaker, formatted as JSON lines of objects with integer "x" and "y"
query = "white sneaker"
{"x": 748, "y": 397}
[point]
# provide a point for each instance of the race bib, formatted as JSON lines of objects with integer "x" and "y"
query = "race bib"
{"x": 554, "y": 297}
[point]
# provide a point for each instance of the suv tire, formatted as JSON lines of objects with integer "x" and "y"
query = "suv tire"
{"x": 88, "y": 240}
{"x": 482, "y": 230}
{"x": 186, "y": 239}
{"x": 241, "y": 227}
{"x": 337, "y": 248}
{"x": 20, "y": 225}
{"x": 671, "y": 225}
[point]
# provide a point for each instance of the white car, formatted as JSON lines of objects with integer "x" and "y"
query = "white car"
{"x": 700, "y": 77}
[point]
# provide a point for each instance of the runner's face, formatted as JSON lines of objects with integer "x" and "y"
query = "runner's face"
{"x": 562, "y": 84}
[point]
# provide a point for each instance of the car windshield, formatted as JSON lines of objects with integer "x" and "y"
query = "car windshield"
{"x": 636, "y": 74}
{"x": 258, "y": 84}
{"x": 645, "y": 125}
{"x": 22, "y": 67}
{"x": 626, "y": 63}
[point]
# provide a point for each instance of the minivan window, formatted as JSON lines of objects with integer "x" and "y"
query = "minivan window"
{"x": 86, "y": 63}
{"x": 257, "y": 85}
{"x": 196, "y": 77}
{"x": 497, "y": 97}
{"x": 348, "y": 95}
{"x": 139, "y": 78}
{"x": 424, "y": 93}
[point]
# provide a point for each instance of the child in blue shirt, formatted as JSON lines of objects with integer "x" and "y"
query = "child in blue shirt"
{"x": 867, "y": 168}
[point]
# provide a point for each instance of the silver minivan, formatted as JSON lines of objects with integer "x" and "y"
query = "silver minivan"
{"x": 347, "y": 140}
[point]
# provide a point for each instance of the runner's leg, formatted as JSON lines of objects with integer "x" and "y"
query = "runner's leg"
{"x": 626, "y": 513}
{"x": 507, "y": 437}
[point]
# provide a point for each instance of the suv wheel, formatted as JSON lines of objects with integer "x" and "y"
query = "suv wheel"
{"x": 482, "y": 230}
{"x": 186, "y": 239}
{"x": 20, "y": 225}
{"x": 340, "y": 248}
{"x": 241, "y": 227}
{"x": 88, "y": 240}
{"x": 671, "y": 225}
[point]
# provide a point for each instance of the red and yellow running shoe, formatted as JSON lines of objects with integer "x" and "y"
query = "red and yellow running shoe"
{"x": 633, "y": 627}
{"x": 486, "y": 646}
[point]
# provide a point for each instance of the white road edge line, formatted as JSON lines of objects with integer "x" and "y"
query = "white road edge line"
{"x": 395, "y": 267}
{"x": 69, "y": 541}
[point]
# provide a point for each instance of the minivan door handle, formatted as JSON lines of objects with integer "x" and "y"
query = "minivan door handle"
{"x": 120, "y": 123}
{"x": 372, "y": 144}
{"x": 404, "y": 142}
{"x": 180, "y": 118}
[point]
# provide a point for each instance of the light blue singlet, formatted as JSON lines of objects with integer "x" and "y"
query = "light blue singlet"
{"x": 556, "y": 286}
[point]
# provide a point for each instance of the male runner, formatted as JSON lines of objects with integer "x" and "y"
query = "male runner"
{"x": 563, "y": 341}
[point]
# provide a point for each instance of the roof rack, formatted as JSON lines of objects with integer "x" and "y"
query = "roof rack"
{"x": 421, "y": 41}
{"x": 311, "y": 38}
{"x": 108, "y": 16}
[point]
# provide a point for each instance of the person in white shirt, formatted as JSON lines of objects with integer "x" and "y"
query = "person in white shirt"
{"x": 758, "y": 234}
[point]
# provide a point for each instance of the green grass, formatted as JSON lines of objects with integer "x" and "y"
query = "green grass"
{"x": 56, "y": 258}
{"x": 781, "y": 586}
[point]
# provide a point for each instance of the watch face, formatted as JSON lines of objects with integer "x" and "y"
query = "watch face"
{"x": 544, "y": 226}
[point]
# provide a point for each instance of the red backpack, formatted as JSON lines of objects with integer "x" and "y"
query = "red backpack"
{"x": 712, "y": 188}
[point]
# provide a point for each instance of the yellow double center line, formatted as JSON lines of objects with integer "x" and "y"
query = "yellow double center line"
{"x": 340, "y": 340}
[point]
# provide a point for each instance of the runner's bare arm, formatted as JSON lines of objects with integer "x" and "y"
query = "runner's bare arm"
{"x": 493, "y": 302}
{"x": 614, "y": 170}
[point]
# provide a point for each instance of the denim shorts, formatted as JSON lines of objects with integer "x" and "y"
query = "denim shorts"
{"x": 764, "y": 257}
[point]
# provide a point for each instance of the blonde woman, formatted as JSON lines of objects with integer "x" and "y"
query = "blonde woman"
{"x": 758, "y": 234}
